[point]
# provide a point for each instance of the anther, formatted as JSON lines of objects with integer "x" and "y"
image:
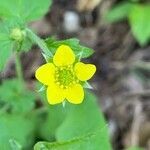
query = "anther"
{"x": 58, "y": 83}
{"x": 61, "y": 86}
{"x": 57, "y": 75}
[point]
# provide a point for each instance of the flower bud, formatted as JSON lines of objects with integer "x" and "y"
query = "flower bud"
{"x": 17, "y": 34}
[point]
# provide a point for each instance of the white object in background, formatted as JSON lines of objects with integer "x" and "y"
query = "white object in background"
{"x": 71, "y": 22}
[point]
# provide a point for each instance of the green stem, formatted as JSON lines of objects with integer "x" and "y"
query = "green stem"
{"x": 39, "y": 42}
{"x": 19, "y": 68}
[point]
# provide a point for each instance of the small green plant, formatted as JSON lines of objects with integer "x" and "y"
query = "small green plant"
{"x": 66, "y": 126}
{"x": 137, "y": 15}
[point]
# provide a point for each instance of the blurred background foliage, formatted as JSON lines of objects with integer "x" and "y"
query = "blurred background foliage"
{"x": 137, "y": 15}
{"x": 119, "y": 33}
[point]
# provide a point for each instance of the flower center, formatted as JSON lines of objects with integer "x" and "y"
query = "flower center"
{"x": 65, "y": 76}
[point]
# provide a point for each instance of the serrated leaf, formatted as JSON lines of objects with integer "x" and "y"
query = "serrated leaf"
{"x": 118, "y": 12}
{"x": 78, "y": 117}
{"x": 90, "y": 141}
{"x": 27, "y": 11}
{"x": 36, "y": 9}
{"x": 82, "y": 51}
{"x": 18, "y": 100}
{"x": 73, "y": 43}
{"x": 5, "y": 52}
{"x": 5, "y": 45}
{"x": 15, "y": 127}
{"x": 83, "y": 128}
{"x": 140, "y": 25}
{"x": 53, "y": 44}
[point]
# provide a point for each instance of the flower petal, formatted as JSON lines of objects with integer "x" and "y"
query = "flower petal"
{"x": 64, "y": 56}
{"x": 45, "y": 73}
{"x": 75, "y": 94}
{"x": 55, "y": 94}
{"x": 84, "y": 71}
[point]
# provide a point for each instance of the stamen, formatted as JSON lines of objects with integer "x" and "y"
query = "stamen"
{"x": 65, "y": 76}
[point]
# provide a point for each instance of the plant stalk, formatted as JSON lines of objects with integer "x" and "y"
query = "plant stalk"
{"x": 19, "y": 68}
{"x": 39, "y": 42}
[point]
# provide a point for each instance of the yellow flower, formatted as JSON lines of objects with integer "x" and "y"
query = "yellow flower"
{"x": 63, "y": 77}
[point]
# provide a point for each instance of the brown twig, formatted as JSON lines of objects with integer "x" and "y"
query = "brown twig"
{"x": 137, "y": 120}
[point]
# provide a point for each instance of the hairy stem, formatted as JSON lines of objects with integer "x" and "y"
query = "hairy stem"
{"x": 39, "y": 42}
{"x": 19, "y": 68}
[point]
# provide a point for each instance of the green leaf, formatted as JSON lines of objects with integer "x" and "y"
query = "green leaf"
{"x": 54, "y": 118}
{"x": 15, "y": 23}
{"x": 90, "y": 141}
{"x": 78, "y": 49}
{"x": 17, "y": 128}
{"x": 118, "y": 12}
{"x": 35, "y": 10}
{"x": 27, "y": 11}
{"x": 140, "y": 24}
{"x": 5, "y": 45}
{"x": 5, "y": 52}
{"x": 15, "y": 145}
{"x": 78, "y": 117}
{"x": 18, "y": 100}
{"x": 83, "y": 128}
